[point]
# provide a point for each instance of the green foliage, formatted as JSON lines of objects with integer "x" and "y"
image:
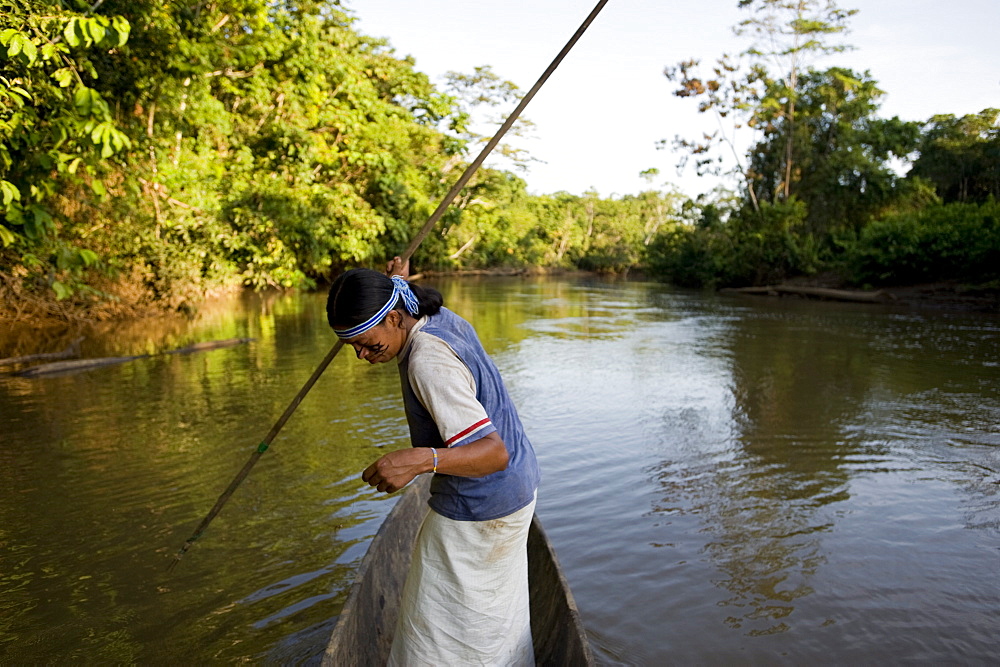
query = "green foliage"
{"x": 940, "y": 242}
{"x": 56, "y": 129}
{"x": 172, "y": 149}
{"x": 769, "y": 246}
{"x": 748, "y": 248}
{"x": 961, "y": 156}
{"x": 689, "y": 257}
{"x": 498, "y": 224}
{"x": 266, "y": 143}
{"x": 844, "y": 150}
{"x": 820, "y": 168}
{"x": 58, "y": 134}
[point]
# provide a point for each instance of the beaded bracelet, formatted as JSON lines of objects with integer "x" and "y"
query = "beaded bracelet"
{"x": 435, "y": 453}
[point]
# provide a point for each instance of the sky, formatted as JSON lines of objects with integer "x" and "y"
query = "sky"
{"x": 600, "y": 115}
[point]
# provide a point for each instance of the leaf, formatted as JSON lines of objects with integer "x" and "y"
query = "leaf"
{"x": 119, "y": 139}
{"x": 98, "y": 187}
{"x": 29, "y": 50}
{"x": 14, "y": 47}
{"x": 63, "y": 76}
{"x": 10, "y": 192}
{"x": 122, "y": 27}
{"x": 88, "y": 257}
{"x": 69, "y": 32}
{"x": 94, "y": 29}
{"x": 43, "y": 219}
{"x": 62, "y": 291}
{"x": 7, "y": 237}
{"x": 99, "y": 133}
{"x": 18, "y": 44}
{"x": 65, "y": 258}
{"x": 14, "y": 215}
{"x": 30, "y": 228}
{"x": 84, "y": 99}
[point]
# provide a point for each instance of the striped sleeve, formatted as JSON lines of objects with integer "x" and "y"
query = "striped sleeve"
{"x": 444, "y": 385}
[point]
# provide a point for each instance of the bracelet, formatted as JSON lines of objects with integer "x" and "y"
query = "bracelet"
{"x": 435, "y": 453}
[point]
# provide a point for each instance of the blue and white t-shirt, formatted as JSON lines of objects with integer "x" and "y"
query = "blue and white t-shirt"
{"x": 453, "y": 395}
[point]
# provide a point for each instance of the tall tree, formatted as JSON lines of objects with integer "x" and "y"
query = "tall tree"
{"x": 790, "y": 34}
{"x": 759, "y": 85}
{"x": 843, "y": 173}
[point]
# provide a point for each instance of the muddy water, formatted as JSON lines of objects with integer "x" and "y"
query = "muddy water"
{"x": 725, "y": 480}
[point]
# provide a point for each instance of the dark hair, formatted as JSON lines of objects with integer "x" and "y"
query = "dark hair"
{"x": 360, "y": 293}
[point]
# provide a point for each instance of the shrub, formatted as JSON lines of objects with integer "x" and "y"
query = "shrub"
{"x": 942, "y": 242}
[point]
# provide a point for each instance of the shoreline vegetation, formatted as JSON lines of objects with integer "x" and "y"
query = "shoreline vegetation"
{"x": 154, "y": 156}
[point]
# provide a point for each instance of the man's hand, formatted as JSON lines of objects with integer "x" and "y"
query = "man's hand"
{"x": 397, "y": 267}
{"x": 479, "y": 458}
{"x": 397, "y": 469}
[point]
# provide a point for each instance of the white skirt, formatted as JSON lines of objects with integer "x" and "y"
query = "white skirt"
{"x": 465, "y": 601}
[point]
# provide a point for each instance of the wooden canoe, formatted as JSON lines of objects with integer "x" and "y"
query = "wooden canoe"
{"x": 362, "y": 636}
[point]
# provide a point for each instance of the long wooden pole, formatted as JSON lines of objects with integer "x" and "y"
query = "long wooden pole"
{"x": 414, "y": 244}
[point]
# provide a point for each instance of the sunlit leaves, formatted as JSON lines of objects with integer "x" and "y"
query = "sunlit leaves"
{"x": 10, "y": 192}
{"x": 262, "y": 143}
{"x": 109, "y": 138}
{"x": 96, "y": 31}
{"x": 18, "y": 44}
{"x": 52, "y": 139}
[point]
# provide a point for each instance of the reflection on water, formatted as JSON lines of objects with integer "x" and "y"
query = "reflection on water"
{"x": 724, "y": 480}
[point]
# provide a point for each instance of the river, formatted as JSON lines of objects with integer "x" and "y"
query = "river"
{"x": 725, "y": 479}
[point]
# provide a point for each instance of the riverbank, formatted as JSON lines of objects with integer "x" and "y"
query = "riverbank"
{"x": 939, "y": 295}
{"x": 31, "y": 324}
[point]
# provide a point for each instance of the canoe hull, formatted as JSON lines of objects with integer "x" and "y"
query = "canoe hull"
{"x": 363, "y": 634}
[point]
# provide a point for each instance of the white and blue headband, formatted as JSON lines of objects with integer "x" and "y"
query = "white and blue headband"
{"x": 400, "y": 288}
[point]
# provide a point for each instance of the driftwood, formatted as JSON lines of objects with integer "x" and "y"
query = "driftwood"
{"x": 74, "y": 365}
{"x": 84, "y": 364}
{"x": 817, "y": 292}
{"x": 72, "y": 351}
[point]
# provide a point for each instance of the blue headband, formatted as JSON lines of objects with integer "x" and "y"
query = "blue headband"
{"x": 400, "y": 288}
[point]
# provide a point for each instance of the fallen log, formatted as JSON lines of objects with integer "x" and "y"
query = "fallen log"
{"x": 71, "y": 351}
{"x": 855, "y": 296}
{"x": 766, "y": 290}
{"x": 85, "y": 364}
{"x": 74, "y": 365}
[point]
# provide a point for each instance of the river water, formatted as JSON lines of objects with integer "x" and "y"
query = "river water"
{"x": 725, "y": 479}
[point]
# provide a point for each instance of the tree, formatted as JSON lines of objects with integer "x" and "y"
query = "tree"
{"x": 57, "y": 130}
{"x": 160, "y": 151}
{"x": 961, "y": 156}
{"x": 791, "y": 33}
{"x": 843, "y": 172}
{"x": 246, "y": 142}
{"x": 743, "y": 90}
{"x": 480, "y": 95}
